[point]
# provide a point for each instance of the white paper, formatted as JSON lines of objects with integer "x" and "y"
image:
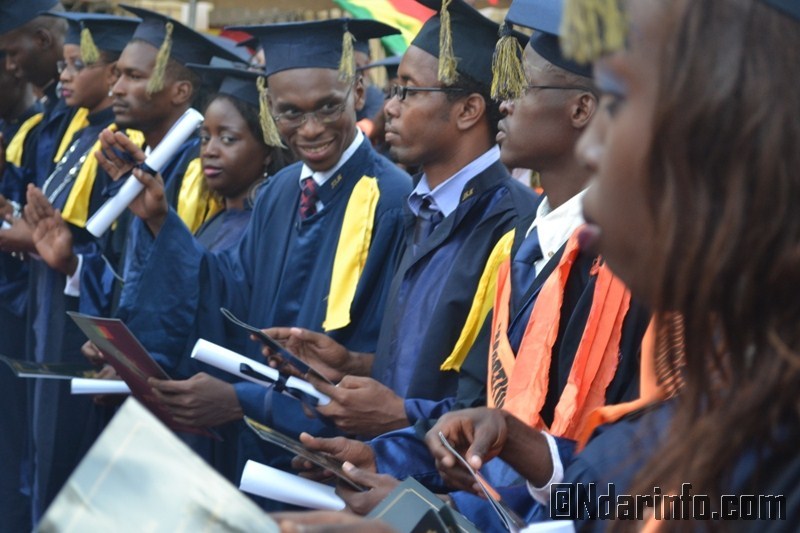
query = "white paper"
{"x": 6, "y": 225}
{"x": 139, "y": 477}
{"x": 268, "y": 482}
{"x": 161, "y": 154}
{"x": 230, "y": 361}
{"x": 98, "y": 386}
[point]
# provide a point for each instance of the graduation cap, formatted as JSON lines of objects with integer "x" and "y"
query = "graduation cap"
{"x": 94, "y": 32}
{"x": 461, "y": 37}
{"x": 789, "y": 7}
{"x": 317, "y": 44}
{"x": 544, "y": 17}
{"x": 16, "y": 14}
{"x": 173, "y": 40}
{"x": 243, "y": 54}
{"x": 237, "y": 81}
{"x": 391, "y": 63}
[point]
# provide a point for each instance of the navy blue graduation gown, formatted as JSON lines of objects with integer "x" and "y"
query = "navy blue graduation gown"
{"x": 402, "y": 453}
{"x": 224, "y": 230}
{"x": 14, "y": 505}
{"x": 100, "y": 285}
{"x": 279, "y": 275}
{"x": 44, "y": 140}
{"x": 64, "y": 426}
{"x": 433, "y": 290}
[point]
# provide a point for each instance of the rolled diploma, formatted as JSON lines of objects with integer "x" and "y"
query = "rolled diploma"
{"x": 161, "y": 154}
{"x": 229, "y": 361}
{"x": 98, "y": 386}
{"x": 268, "y": 482}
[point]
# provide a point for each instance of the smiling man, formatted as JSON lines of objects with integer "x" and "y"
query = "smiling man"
{"x": 320, "y": 247}
{"x": 463, "y": 204}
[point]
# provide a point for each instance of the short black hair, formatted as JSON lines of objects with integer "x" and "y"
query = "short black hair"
{"x": 470, "y": 86}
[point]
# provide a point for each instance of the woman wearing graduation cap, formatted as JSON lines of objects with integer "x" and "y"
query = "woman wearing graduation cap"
{"x": 65, "y": 426}
{"x": 234, "y": 152}
{"x": 692, "y": 204}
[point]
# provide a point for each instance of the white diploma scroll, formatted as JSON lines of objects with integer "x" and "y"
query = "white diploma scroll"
{"x": 98, "y": 386}
{"x": 230, "y": 361}
{"x": 268, "y": 482}
{"x": 111, "y": 210}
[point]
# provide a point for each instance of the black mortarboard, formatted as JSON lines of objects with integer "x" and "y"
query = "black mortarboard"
{"x": 93, "y": 32}
{"x": 173, "y": 40}
{"x": 544, "y": 17}
{"x": 391, "y": 63}
{"x": 317, "y": 44}
{"x": 16, "y": 13}
{"x": 243, "y": 54}
{"x": 461, "y": 37}
{"x": 233, "y": 81}
{"x": 790, "y": 7}
{"x": 237, "y": 81}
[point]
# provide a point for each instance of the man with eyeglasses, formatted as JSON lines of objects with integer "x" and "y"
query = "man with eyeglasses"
{"x": 463, "y": 204}
{"x": 319, "y": 250}
{"x": 539, "y": 350}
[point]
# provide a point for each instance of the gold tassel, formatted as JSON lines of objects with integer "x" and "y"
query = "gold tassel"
{"x": 447, "y": 58}
{"x": 347, "y": 65}
{"x": 591, "y": 28}
{"x": 156, "y": 82}
{"x": 268, "y": 127}
{"x": 508, "y": 76}
{"x": 89, "y": 52}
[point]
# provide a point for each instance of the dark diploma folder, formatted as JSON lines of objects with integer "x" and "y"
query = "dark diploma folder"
{"x": 132, "y": 362}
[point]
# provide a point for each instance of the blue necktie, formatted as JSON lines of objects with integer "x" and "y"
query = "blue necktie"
{"x": 428, "y": 218}
{"x": 522, "y": 270}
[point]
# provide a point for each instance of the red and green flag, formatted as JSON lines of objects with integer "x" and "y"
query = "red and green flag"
{"x": 405, "y": 15}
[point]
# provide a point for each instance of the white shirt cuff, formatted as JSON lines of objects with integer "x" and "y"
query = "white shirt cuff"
{"x": 542, "y": 494}
{"x": 73, "y": 287}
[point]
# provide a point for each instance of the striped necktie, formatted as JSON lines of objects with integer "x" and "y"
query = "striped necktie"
{"x": 308, "y": 198}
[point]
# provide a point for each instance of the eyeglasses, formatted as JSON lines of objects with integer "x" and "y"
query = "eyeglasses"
{"x": 76, "y": 66}
{"x": 326, "y": 114}
{"x": 401, "y": 91}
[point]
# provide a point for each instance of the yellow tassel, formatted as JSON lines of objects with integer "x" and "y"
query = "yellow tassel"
{"x": 89, "y": 52}
{"x": 592, "y": 28}
{"x": 508, "y": 76}
{"x": 347, "y": 65}
{"x": 268, "y": 127}
{"x": 156, "y": 82}
{"x": 447, "y": 58}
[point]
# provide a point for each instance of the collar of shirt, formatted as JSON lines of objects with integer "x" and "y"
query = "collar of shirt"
{"x": 555, "y": 226}
{"x": 447, "y": 195}
{"x": 321, "y": 177}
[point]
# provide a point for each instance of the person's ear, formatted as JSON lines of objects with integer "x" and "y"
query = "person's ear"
{"x": 470, "y": 111}
{"x": 182, "y": 92}
{"x": 582, "y": 110}
{"x": 43, "y": 38}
